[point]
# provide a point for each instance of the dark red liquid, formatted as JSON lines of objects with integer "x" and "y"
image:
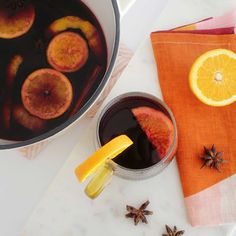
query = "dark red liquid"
{"x": 119, "y": 120}
{"x": 32, "y": 46}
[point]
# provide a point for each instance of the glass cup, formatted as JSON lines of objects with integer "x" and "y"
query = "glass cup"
{"x": 103, "y": 176}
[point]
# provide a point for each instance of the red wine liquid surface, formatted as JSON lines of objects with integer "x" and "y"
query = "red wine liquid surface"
{"x": 32, "y": 46}
{"x": 119, "y": 120}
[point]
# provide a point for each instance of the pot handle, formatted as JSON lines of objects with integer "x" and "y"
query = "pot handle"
{"x": 124, "y": 6}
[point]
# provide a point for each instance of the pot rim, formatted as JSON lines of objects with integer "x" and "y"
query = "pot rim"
{"x": 88, "y": 104}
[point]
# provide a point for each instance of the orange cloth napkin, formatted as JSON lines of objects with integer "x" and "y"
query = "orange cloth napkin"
{"x": 210, "y": 196}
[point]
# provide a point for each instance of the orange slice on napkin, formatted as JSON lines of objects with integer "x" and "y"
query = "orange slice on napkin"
{"x": 213, "y": 77}
{"x": 106, "y": 152}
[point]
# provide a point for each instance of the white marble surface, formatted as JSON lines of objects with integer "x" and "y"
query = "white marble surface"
{"x": 65, "y": 210}
{"x": 22, "y": 183}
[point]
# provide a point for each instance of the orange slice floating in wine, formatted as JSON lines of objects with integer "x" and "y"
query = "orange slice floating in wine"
{"x": 15, "y": 23}
{"x": 47, "y": 94}
{"x": 67, "y": 52}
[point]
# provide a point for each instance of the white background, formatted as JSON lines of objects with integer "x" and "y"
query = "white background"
{"x": 23, "y": 182}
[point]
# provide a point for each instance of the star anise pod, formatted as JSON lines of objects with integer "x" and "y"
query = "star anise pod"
{"x": 138, "y": 214}
{"x": 212, "y": 158}
{"x": 173, "y": 232}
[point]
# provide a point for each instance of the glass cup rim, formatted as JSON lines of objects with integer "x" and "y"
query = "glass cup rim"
{"x": 154, "y": 99}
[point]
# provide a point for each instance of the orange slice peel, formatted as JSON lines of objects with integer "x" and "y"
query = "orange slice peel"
{"x": 89, "y": 30}
{"x": 105, "y": 153}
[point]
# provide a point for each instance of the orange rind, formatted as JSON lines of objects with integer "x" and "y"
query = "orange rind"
{"x": 11, "y": 73}
{"x": 107, "y": 152}
{"x": 25, "y": 119}
{"x": 74, "y": 22}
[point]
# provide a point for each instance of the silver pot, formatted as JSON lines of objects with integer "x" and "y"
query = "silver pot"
{"x": 108, "y": 13}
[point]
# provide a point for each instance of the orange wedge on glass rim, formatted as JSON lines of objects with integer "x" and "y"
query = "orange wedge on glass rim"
{"x": 98, "y": 164}
{"x": 213, "y": 77}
